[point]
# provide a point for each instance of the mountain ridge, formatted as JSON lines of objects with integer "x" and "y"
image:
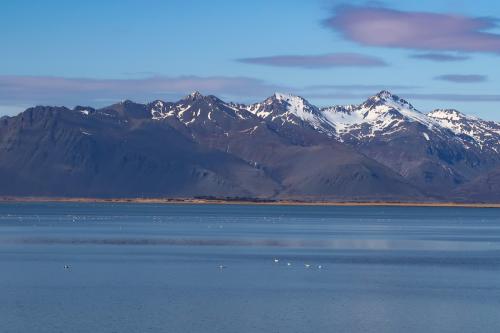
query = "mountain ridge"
{"x": 281, "y": 148}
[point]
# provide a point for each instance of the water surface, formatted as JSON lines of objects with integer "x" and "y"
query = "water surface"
{"x": 232, "y": 268}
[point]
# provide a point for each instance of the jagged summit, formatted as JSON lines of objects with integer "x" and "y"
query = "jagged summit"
{"x": 157, "y": 102}
{"x": 294, "y": 103}
{"x": 385, "y": 97}
{"x": 127, "y": 102}
{"x": 385, "y": 94}
{"x": 83, "y": 108}
{"x": 195, "y": 95}
{"x": 286, "y": 96}
{"x": 479, "y": 132}
{"x": 288, "y": 109}
{"x": 380, "y": 116}
{"x": 448, "y": 114}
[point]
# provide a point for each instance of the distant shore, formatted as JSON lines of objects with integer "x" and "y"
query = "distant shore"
{"x": 202, "y": 201}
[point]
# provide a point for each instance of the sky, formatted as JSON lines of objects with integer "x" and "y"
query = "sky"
{"x": 435, "y": 54}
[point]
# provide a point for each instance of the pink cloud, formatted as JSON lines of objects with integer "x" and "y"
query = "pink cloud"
{"x": 26, "y": 90}
{"x": 462, "y": 78}
{"x": 439, "y": 57}
{"x": 415, "y": 30}
{"x": 318, "y": 61}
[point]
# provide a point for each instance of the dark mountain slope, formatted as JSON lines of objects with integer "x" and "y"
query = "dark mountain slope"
{"x": 485, "y": 188}
{"x": 60, "y": 152}
{"x": 307, "y": 163}
{"x": 281, "y": 148}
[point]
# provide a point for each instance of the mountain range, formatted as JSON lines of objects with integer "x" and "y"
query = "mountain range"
{"x": 283, "y": 148}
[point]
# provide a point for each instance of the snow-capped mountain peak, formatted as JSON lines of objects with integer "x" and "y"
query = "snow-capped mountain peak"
{"x": 448, "y": 114}
{"x": 160, "y": 109}
{"x": 386, "y": 98}
{"x": 296, "y": 105}
{"x": 196, "y": 109}
{"x": 481, "y": 132}
{"x": 380, "y": 117}
{"x": 385, "y": 94}
{"x": 288, "y": 98}
{"x": 195, "y": 95}
{"x": 381, "y": 114}
{"x": 290, "y": 109}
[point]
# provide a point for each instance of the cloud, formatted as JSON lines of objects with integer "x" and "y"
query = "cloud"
{"x": 20, "y": 92}
{"x": 439, "y": 57}
{"x": 460, "y": 78}
{"x": 359, "y": 87}
{"x": 457, "y": 97}
{"x": 317, "y": 61}
{"x": 29, "y": 90}
{"x": 415, "y": 96}
{"x": 383, "y": 27}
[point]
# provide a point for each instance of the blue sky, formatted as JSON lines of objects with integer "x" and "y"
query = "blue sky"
{"x": 98, "y": 52}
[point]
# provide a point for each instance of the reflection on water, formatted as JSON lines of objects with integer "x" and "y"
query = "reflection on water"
{"x": 203, "y": 268}
{"x": 333, "y": 244}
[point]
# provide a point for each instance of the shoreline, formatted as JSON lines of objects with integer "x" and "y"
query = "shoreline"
{"x": 194, "y": 201}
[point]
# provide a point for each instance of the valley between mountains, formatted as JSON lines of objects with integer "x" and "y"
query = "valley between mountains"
{"x": 282, "y": 148}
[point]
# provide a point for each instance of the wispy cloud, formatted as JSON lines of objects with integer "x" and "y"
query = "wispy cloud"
{"x": 457, "y": 97}
{"x": 359, "y": 87}
{"x": 439, "y": 57}
{"x": 460, "y": 78}
{"x": 451, "y": 97}
{"x": 378, "y": 26}
{"x": 317, "y": 61}
{"x": 18, "y": 92}
{"x": 28, "y": 90}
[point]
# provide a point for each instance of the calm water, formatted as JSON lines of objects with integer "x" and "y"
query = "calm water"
{"x": 190, "y": 268}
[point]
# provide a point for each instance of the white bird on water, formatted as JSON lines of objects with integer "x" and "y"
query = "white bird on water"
{"x": 307, "y": 265}
{"x": 276, "y": 260}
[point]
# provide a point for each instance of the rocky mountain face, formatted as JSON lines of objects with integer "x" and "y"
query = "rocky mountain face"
{"x": 422, "y": 148}
{"x": 281, "y": 148}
